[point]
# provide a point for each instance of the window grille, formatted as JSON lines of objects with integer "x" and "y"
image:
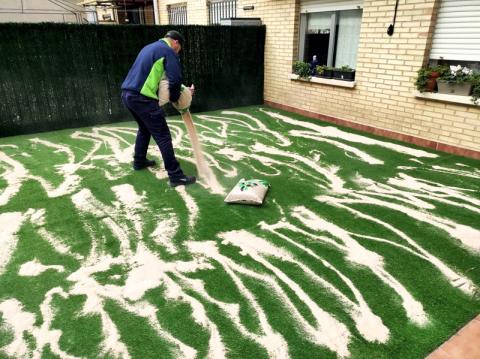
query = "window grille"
{"x": 177, "y": 14}
{"x": 221, "y": 10}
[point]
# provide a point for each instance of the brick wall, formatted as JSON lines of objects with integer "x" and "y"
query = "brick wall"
{"x": 383, "y": 98}
{"x": 197, "y": 12}
{"x": 386, "y": 68}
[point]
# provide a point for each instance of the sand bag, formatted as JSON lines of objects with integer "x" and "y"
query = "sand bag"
{"x": 184, "y": 101}
{"x": 248, "y": 192}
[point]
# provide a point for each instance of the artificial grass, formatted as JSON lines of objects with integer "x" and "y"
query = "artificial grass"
{"x": 222, "y": 291}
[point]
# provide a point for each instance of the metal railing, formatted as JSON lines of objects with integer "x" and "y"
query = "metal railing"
{"x": 221, "y": 10}
{"x": 177, "y": 14}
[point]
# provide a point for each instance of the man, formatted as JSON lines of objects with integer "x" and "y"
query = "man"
{"x": 140, "y": 96}
{"x": 314, "y": 64}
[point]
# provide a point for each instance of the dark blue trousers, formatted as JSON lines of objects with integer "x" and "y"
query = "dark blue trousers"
{"x": 151, "y": 123}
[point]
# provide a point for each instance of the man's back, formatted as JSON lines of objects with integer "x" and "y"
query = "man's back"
{"x": 153, "y": 61}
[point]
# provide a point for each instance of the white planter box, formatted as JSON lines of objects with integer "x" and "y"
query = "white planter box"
{"x": 454, "y": 89}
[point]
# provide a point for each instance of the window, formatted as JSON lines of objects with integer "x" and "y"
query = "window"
{"x": 330, "y": 32}
{"x": 457, "y": 33}
{"x": 177, "y": 14}
{"x": 218, "y": 10}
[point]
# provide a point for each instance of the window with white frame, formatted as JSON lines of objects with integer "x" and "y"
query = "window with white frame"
{"x": 456, "y": 39}
{"x": 330, "y": 30}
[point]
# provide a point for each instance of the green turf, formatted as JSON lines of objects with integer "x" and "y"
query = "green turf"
{"x": 121, "y": 287}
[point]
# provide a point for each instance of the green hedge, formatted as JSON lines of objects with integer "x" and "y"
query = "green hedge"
{"x": 55, "y": 76}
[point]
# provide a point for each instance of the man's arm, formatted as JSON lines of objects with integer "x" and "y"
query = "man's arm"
{"x": 174, "y": 75}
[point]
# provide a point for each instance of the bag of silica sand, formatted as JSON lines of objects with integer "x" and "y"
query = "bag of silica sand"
{"x": 184, "y": 101}
{"x": 248, "y": 192}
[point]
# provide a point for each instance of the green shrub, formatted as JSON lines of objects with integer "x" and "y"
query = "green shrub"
{"x": 457, "y": 75}
{"x": 475, "y": 87}
{"x": 424, "y": 74}
{"x": 322, "y": 68}
{"x": 344, "y": 68}
{"x": 302, "y": 69}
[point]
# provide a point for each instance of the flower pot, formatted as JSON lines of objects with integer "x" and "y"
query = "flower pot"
{"x": 454, "y": 88}
{"x": 344, "y": 75}
{"x": 327, "y": 74}
{"x": 432, "y": 81}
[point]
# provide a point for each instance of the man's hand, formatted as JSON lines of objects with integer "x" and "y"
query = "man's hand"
{"x": 192, "y": 89}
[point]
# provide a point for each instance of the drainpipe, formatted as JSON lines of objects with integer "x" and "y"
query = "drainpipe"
{"x": 155, "y": 12}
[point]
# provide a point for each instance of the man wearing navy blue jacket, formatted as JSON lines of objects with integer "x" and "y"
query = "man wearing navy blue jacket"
{"x": 140, "y": 96}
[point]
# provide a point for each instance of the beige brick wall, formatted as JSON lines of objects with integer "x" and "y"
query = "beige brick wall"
{"x": 197, "y": 13}
{"x": 386, "y": 69}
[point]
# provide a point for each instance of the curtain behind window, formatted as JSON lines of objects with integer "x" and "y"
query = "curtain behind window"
{"x": 348, "y": 36}
{"x": 319, "y": 23}
{"x": 318, "y": 36}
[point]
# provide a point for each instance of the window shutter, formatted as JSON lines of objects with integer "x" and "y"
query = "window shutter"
{"x": 307, "y": 6}
{"x": 457, "y": 31}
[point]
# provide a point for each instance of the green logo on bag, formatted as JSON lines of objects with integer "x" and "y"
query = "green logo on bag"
{"x": 244, "y": 185}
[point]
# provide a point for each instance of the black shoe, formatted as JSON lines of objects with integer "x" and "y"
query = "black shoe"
{"x": 183, "y": 181}
{"x": 141, "y": 166}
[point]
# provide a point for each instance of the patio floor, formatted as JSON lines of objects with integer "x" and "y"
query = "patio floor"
{"x": 463, "y": 345}
{"x": 364, "y": 248}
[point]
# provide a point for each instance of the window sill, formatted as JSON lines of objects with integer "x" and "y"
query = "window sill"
{"x": 465, "y": 100}
{"x": 319, "y": 80}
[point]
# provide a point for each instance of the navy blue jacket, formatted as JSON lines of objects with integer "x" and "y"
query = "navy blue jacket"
{"x": 155, "y": 61}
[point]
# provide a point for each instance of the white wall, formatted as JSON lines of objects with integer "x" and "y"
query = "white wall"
{"x": 41, "y": 11}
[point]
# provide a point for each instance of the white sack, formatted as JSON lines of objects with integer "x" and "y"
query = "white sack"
{"x": 248, "y": 192}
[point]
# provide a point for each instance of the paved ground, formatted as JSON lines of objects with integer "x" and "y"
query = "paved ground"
{"x": 465, "y": 344}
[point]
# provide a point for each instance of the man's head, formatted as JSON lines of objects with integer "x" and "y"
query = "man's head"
{"x": 176, "y": 40}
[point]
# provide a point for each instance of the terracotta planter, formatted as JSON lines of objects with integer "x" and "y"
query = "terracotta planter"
{"x": 432, "y": 82}
{"x": 454, "y": 88}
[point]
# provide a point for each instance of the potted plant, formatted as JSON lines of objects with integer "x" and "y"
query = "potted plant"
{"x": 345, "y": 73}
{"x": 324, "y": 71}
{"x": 457, "y": 81}
{"x": 427, "y": 78}
{"x": 302, "y": 69}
